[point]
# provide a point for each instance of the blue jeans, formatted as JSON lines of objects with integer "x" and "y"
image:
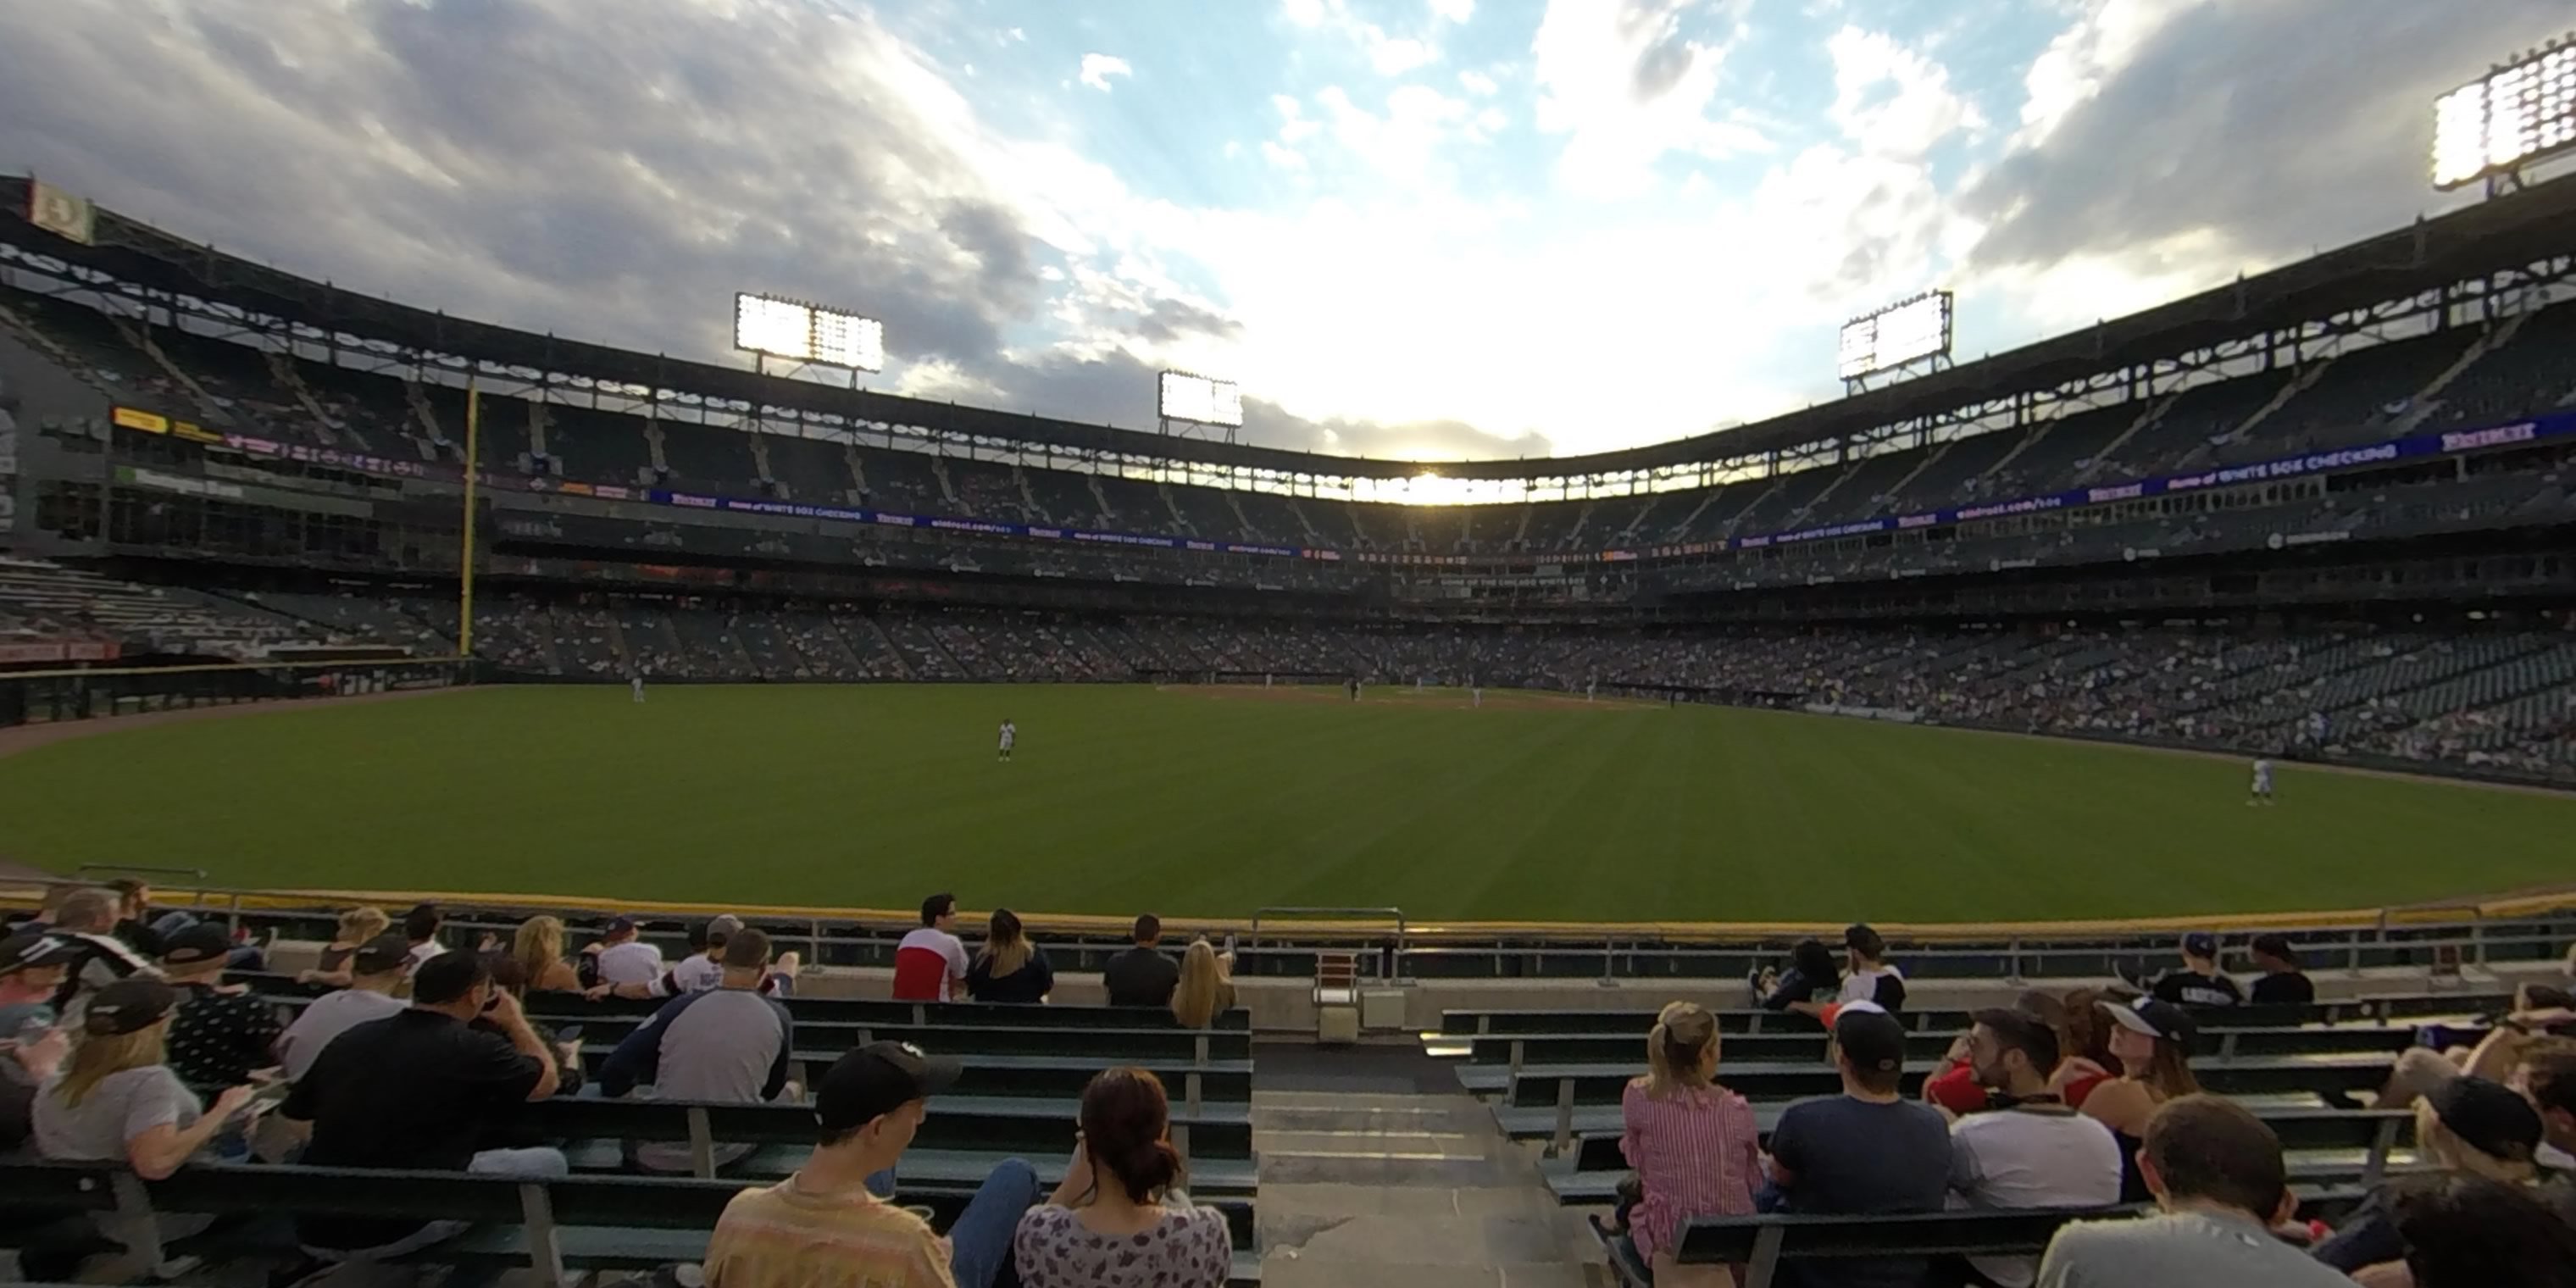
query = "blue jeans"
{"x": 980, "y": 1242}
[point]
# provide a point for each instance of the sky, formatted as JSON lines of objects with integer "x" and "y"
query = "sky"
{"x": 1416, "y": 228}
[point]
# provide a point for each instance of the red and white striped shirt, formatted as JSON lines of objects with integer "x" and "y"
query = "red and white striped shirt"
{"x": 1697, "y": 1154}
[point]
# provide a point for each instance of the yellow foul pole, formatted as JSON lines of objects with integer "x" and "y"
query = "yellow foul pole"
{"x": 473, "y": 466}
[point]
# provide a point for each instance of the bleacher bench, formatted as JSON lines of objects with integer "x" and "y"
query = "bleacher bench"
{"x": 553, "y": 1228}
{"x": 2355, "y": 1147}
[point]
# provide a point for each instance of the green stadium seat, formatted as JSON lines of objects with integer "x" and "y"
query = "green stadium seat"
{"x": 555, "y": 1228}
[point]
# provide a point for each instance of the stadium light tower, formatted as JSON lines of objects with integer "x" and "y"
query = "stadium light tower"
{"x": 773, "y": 326}
{"x": 2496, "y": 128}
{"x": 1196, "y": 402}
{"x": 1906, "y": 338}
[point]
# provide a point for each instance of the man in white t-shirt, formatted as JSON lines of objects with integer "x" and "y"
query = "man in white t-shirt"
{"x": 930, "y": 963}
{"x": 1010, "y": 735}
{"x": 375, "y": 971}
{"x": 2034, "y": 1152}
{"x": 705, "y": 970}
{"x": 624, "y": 957}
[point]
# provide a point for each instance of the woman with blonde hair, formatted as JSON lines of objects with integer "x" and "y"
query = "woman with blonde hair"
{"x": 538, "y": 948}
{"x": 357, "y": 926}
{"x": 1206, "y": 990}
{"x": 1694, "y": 1143}
{"x": 1010, "y": 969}
{"x": 117, "y": 1101}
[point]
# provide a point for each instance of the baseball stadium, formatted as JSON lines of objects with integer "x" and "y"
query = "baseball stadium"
{"x": 2175, "y": 715}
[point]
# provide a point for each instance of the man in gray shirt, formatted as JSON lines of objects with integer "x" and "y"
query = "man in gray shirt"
{"x": 2216, "y": 1170}
{"x": 728, "y": 1044}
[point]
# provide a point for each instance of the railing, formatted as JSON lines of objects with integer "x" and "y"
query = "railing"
{"x": 1391, "y": 955}
{"x": 1282, "y": 942}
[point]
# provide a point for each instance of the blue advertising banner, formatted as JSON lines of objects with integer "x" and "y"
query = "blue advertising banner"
{"x": 2552, "y": 425}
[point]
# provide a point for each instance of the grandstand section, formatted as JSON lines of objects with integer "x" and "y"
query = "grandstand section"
{"x": 1982, "y": 655}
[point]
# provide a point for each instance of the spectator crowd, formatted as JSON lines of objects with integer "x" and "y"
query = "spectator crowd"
{"x": 121, "y": 1041}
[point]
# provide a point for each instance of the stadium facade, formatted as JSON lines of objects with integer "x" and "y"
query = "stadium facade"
{"x": 2322, "y": 509}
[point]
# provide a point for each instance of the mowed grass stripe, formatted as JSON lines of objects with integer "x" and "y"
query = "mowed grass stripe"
{"x": 1188, "y": 802}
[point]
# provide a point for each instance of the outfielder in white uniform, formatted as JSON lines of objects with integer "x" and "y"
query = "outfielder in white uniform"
{"x": 1010, "y": 734}
{"x": 2262, "y": 782}
{"x": 635, "y": 685}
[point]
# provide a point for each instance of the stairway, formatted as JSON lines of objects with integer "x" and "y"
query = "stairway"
{"x": 1845, "y": 469}
{"x": 140, "y": 336}
{"x": 760, "y": 460}
{"x": 1676, "y": 532}
{"x": 423, "y": 415}
{"x": 2155, "y": 411}
{"x": 1108, "y": 516}
{"x": 2425, "y": 399}
{"x": 281, "y": 368}
{"x": 1029, "y": 496}
{"x": 1930, "y": 459}
{"x": 653, "y": 444}
{"x": 1313, "y": 537}
{"x": 947, "y": 490}
{"x": 858, "y": 474}
{"x": 23, "y": 329}
{"x": 1378, "y": 1171}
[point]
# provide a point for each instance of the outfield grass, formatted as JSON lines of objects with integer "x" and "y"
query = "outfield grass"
{"x": 1191, "y": 802}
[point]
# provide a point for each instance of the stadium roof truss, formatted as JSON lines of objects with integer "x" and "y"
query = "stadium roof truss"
{"x": 2468, "y": 267}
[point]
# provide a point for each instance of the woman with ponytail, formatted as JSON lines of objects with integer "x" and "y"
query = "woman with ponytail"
{"x": 1120, "y": 1220}
{"x": 1693, "y": 1143}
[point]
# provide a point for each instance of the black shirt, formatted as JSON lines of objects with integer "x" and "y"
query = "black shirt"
{"x": 142, "y": 937}
{"x": 1141, "y": 976}
{"x": 2287, "y": 988}
{"x": 1026, "y": 986}
{"x": 218, "y": 1038}
{"x": 413, "y": 1090}
{"x": 2191, "y": 988}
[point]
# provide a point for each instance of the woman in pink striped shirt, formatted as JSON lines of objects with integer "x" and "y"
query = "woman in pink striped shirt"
{"x": 1692, "y": 1142}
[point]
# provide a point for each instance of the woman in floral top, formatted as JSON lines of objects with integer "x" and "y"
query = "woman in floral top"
{"x": 1693, "y": 1143}
{"x": 1119, "y": 1220}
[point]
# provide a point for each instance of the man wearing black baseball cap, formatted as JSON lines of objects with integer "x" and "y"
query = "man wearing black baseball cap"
{"x": 1868, "y": 1151}
{"x": 825, "y": 1224}
{"x": 2283, "y": 983}
{"x": 2199, "y": 982}
{"x": 217, "y": 1037}
{"x": 33, "y": 966}
{"x": 32, "y": 1048}
{"x": 2467, "y": 1124}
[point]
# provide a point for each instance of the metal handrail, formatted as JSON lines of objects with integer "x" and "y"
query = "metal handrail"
{"x": 1393, "y": 965}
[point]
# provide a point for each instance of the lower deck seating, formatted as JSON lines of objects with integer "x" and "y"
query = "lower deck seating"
{"x": 554, "y": 1229}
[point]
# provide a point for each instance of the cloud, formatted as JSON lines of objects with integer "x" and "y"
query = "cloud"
{"x": 2237, "y": 135}
{"x": 1454, "y": 10}
{"x": 1625, "y": 85}
{"x": 548, "y": 180}
{"x": 1098, "y": 68}
{"x": 1478, "y": 83}
{"x": 1890, "y": 100}
{"x": 1388, "y": 54}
